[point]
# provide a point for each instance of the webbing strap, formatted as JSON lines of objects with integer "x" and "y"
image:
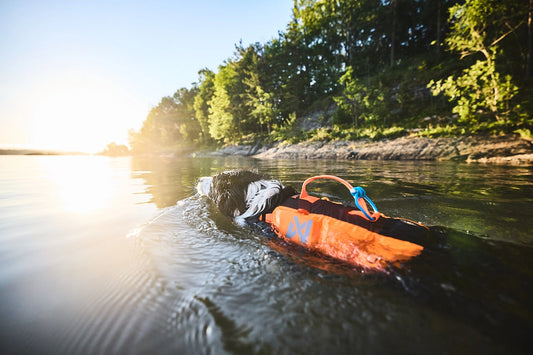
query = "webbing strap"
{"x": 358, "y": 194}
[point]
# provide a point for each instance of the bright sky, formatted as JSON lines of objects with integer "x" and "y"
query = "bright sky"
{"x": 76, "y": 75}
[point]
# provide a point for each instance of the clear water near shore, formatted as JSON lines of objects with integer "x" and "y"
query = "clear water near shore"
{"x": 119, "y": 255}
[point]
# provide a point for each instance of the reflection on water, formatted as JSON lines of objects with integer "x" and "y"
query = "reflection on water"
{"x": 166, "y": 180}
{"x": 82, "y": 184}
{"x": 119, "y": 255}
{"x": 62, "y": 226}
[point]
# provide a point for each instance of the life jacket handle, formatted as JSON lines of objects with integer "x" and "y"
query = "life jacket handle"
{"x": 358, "y": 194}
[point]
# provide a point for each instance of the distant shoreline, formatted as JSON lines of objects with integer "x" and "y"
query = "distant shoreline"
{"x": 14, "y": 151}
{"x": 507, "y": 150}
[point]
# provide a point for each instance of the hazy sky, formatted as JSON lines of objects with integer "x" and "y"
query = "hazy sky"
{"x": 78, "y": 74}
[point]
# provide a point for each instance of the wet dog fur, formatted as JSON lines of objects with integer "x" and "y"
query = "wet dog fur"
{"x": 244, "y": 195}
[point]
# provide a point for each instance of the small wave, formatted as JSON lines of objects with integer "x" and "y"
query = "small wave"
{"x": 202, "y": 284}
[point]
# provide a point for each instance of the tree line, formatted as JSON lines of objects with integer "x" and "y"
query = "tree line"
{"x": 361, "y": 64}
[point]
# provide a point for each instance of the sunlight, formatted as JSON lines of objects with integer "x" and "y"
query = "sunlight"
{"x": 84, "y": 184}
{"x": 82, "y": 112}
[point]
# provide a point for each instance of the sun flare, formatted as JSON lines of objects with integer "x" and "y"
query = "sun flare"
{"x": 82, "y": 112}
{"x": 83, "y": 184}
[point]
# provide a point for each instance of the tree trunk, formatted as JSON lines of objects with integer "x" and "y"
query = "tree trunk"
{"x": 393, "y": 33}
{"x": 529, "y": 58}
{"x": 439, "y": 5}
{"x": 355, "y": 118}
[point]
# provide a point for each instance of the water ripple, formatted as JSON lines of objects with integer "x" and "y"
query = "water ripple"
{"x": 201, "y": 284}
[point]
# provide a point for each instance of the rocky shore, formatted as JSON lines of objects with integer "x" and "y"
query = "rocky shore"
{"x": 482, "y": 149}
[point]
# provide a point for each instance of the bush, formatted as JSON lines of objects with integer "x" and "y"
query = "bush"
{"x": 342, "y": 116}
{"x": 288, "y": 132}
{"x": 524, "y": 133}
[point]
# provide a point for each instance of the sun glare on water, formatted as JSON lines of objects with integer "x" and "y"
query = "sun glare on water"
{"x": 83, "y": 184}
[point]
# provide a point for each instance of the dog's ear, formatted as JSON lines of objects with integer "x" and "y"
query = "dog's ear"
{"x": 228, "y": 190}
{"x": 228, "y": 198}
{"x": 277, "y": 199}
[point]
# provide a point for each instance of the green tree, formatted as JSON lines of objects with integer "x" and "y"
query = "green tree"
{"x": 170, "y": 124}
{"x": 478, "y": 28}
{"x": 360, "y": 102}
{"x": 240, "y": 106}
{"x": 189, "y": 127}
{"x": 201, "y": 102}
{"x": 114, "y": 149}
{"x": 223, "y": 123}
{"x": 250, "y": 93}
{"x": 281, "y": 78}
{"x": 259, "y": 102}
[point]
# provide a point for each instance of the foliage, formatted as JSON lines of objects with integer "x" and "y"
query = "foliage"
{"x": 362, "y": 102}
{"x": 480, "y": 89}
{"x": 441, "y": 131}
{"x": 114, "y": 149}
{"x": 338, "y": 133}
{"x": 171, "y": 123}
{"x": 525, "y": 133}
{"x": 364, "y": 65}
{"x": 221, "y": 109}
{"x": 288, "y": 132}
{"x": 201, "y": 103}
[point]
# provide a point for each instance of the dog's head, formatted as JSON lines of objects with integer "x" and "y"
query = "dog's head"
{"x": 242, "y": 194}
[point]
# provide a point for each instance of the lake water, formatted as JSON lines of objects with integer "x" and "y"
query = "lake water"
{"x": 119, "y": 255}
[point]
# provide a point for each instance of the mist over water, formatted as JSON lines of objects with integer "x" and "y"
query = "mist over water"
{"x": 119, "y": 255}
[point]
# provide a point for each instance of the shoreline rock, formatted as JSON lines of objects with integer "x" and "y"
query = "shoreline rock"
{"x": 480, "y": 149}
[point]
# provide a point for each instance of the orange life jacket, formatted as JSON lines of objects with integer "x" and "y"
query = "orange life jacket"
{"x": 354, "y": 236}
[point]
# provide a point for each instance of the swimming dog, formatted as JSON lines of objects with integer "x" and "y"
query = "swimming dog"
{"x": 243, "y": 194}
{"x": 353, "y": 235}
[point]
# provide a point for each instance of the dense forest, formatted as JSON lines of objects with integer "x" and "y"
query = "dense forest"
{"x": 362, "y": 68}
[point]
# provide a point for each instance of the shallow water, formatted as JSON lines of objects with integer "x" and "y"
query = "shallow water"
{"x": 119, "y": 255}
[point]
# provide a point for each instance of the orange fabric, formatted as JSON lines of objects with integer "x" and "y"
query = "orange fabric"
{"x": 339, "y": 239}
{"x": 304, "y": 194}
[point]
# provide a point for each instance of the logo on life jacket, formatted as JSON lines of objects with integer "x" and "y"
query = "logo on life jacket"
{"x": 302, "y": 230}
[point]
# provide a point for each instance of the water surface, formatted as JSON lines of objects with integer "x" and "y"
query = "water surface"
{"x": 119, "y": 255}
